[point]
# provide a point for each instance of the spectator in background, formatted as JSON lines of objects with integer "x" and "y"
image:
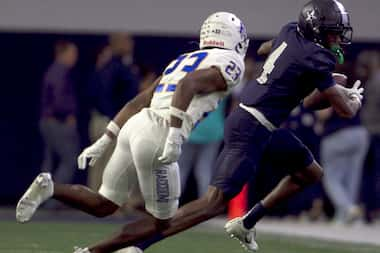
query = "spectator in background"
{"x": 58, "y": 114}
{"x": 113, "y": 84}
{"x": 368, "y": 70}
{"x": 115, "y": 80}
{"x": 344, "y": 147}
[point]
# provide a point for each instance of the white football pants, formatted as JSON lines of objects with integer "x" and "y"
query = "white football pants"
{"x": 135, "y": 160}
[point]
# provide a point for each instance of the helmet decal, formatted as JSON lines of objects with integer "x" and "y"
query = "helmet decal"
{"x": 224, "y": 30}
{"x": 310, "y": 15}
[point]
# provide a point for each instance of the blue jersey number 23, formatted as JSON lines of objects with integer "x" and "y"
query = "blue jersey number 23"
{"x": 199, "y": 57}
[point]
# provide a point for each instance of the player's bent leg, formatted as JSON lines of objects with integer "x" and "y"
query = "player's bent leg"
{"x": 293, "y": 184}
{"x": 119, "y": 175}
{"x": 110, "y": 197}
{"x": 145, "y": 232}
{"x": 243, "y": 228}
{"x": 213, "y": 203}
{"x": 77, "y": 196}
{"x": 159, "y": 183}
{"x": 83, "y": 198}
{"x": 303, "y": 171}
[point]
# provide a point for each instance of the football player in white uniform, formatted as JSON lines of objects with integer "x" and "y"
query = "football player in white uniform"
{"x": 151, "y": 128}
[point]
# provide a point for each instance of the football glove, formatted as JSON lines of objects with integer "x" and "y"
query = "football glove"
{"x": 93, "y": 152}
{"x": 172, "y": 149}
{"x": 96, "y": 150}
{"x": 356, "y": 91}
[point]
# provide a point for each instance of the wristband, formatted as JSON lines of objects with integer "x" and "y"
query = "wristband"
{"x": 113, "y": 128}
{"x": 335, "y": 74}
{"x": 174, "y": 111}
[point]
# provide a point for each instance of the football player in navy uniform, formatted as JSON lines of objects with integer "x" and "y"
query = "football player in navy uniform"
{"x": 298, "y": 70}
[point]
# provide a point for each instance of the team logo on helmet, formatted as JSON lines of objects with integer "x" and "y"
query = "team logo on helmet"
{"x": 310, "y": 16}
{"x": 242, "y": 31}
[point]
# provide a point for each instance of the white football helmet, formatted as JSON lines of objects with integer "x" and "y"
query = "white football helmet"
{"x": 224, "y": 30}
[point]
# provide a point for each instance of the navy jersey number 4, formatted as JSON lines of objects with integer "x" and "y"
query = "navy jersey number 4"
{"x": 293, "y": 70}
{"x": 270, "y": 63}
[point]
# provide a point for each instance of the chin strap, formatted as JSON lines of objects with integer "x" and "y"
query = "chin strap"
{"x": 337, "y": 50}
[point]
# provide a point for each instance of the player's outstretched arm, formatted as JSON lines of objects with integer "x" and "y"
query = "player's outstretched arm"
{"x": 317, "y": 100}
{"x": 203, "y": 81}
{"x": 94, "y": 151}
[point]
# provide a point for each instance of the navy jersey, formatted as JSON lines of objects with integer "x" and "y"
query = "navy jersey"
{"x": 295, "y": 67}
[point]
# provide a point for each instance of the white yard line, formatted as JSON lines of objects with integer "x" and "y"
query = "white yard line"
{"x": 317, "y": 230}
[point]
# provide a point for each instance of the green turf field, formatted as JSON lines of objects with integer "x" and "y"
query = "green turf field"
{"x": 47, "y": 237}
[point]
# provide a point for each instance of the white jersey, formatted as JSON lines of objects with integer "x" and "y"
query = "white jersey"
{"x": 230, "y": 65}
{"x": 142, "y": 138}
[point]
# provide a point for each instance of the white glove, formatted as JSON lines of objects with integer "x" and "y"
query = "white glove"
{"x": 172, "y": 148}
{"x": 93, "y": 152}
{"x": 97, "y": 149}
{"x": 356, "y": 92}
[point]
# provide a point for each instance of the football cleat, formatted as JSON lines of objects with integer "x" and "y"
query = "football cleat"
{"x": 130, "y": 250}
{"x": 39, "y": 191}
{"x": 81, "y": 250}
{"x": 246, "y": 237}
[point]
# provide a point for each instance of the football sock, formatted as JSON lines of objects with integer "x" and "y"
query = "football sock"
{"x": 254, "y": 215}
{"x": 149, "y": 241}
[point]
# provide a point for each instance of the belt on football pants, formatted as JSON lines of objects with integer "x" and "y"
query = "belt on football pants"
{"x": 259, "y": 116}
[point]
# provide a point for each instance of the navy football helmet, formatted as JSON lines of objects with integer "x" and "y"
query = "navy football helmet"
{"x": 321, "y": 17}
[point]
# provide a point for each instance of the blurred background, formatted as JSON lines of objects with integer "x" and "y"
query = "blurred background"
{"x": 68, "y": 66}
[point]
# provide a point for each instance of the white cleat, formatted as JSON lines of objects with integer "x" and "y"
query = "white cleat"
{"x": 81, "y": 250}
{"x": 246, "y": 237}
{"x": 125, "y": 250}
{"x": 40, "y": 190}
{"x": 131, "y": 249}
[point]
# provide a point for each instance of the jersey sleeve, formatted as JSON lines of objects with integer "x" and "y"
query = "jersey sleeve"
{"x": 230, "y": 65}
{"x": 321, "y": 65}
